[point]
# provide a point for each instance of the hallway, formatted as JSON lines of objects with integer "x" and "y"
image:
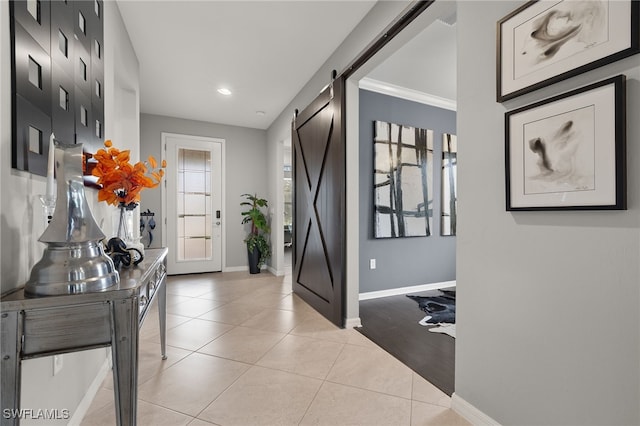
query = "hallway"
{"x": 243, "y": 350}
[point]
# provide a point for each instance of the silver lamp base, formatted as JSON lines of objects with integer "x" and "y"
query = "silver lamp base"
{"x": 72, "y": 269}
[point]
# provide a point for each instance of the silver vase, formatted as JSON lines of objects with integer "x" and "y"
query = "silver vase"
{"x": 74, "y": 260}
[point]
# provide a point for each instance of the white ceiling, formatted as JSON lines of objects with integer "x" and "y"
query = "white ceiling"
{"x": 425, "y": 64}
{"x": 263, "y": 51}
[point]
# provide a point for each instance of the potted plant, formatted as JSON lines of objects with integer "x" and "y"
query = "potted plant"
{"x": 257, "y": 246}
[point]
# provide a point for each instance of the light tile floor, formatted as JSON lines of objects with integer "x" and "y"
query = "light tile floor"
{"x": 244, "y": 350}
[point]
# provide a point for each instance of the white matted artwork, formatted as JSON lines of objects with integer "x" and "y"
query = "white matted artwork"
{"x": 544, "y": 42}
{"x": 402, "y": 180}
{"x": 568, "y": 152}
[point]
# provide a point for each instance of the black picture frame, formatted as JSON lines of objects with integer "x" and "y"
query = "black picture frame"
{"x": 568, "y": 152}
{"x": 529, "y": 58}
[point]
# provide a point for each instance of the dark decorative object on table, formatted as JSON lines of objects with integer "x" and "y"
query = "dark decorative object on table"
{"x": 121, "y": 255}
{"x": 257, "y": 245}
{"x": 147, "y": 224}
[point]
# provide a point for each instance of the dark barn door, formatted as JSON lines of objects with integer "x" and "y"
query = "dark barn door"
{"x": 319, "y": 203}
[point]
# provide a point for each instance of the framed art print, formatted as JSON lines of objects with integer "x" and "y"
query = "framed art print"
{"x": 544, "y": 42}
{"x": 402, "y": 181}
{"x": 568, "y": 152}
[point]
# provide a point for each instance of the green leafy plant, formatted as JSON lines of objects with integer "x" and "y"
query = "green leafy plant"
{"x": 259, "y": 226}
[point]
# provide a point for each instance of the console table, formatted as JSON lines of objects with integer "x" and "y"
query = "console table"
{"x": 43, "y": 326}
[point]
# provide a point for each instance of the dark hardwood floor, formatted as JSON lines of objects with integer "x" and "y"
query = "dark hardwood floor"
{"x": 392, "y": 323}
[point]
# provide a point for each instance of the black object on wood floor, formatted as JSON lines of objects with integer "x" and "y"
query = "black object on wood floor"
{"x": 392, "y": 323}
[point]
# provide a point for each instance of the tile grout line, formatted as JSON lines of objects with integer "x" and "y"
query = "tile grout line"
{"x": 241, "y": 375}
{"x": 322, "y": 384}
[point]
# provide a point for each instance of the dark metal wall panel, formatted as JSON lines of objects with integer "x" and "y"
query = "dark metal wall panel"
{"x": 29, "y": 116}
{"x": 62, "y": 23}
{"x": 84, "y": 116}
{"x": 28, "y": 53}
{"x": 63, "y": 120}
{"x": 38, "y": 27}
{"x": 57, "y": 47}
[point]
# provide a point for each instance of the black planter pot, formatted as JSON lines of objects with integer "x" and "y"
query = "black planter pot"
{"x": 254, "y": 258}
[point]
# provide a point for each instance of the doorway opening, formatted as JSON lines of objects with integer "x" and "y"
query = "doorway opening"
{"x": 409, "y": 83}
{"x": 287, "y": 185}
{"x": 194, "y": 209}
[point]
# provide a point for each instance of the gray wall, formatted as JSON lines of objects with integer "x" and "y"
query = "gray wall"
{"x": 245, "y": 172}
{"x": 422, "y": 260}
{"x": 21, "y": 216}
{"x": 548, "y": 302}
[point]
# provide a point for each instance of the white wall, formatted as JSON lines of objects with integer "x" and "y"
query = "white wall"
{"x": 548, "y": 302}
{"x": 246, "y": 172}
{"x": 275, "y": 161}
{"x": 21, "y": 220}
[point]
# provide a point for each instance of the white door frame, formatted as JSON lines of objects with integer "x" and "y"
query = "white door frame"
{"x": 163, "y": 137}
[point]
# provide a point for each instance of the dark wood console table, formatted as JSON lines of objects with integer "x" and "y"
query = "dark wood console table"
{"x": 43, "y": 326}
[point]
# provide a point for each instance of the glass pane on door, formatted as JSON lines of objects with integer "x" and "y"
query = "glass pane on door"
{"x": 194, "y": 205}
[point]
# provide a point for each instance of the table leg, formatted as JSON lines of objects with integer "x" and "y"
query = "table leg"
{"x": 10, "y": 325}
{"x": 162, "y": 311}
{"x": 124, "y": 347}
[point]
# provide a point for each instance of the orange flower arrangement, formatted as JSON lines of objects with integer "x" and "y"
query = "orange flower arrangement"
{"x": 121, "y": 181}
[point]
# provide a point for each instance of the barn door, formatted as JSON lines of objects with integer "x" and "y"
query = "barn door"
{"x": 319, "y": 203}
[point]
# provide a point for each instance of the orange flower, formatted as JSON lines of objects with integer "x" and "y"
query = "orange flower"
{"x": 121, "y": 181}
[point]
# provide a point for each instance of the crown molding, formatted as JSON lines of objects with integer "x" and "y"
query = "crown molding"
{"x": 408, "y": 94}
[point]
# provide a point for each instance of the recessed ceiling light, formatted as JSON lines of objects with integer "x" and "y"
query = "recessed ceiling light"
{"x": 260, "y": 113}
{"x": 224, "y": 91}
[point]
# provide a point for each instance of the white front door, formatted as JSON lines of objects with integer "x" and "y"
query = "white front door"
{"x": 194, "y": 198}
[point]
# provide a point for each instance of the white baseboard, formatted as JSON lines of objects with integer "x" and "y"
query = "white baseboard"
{"x": 275, "y": 272}
{"x": 243, "y": 268}
{"x": 235, "y": 269}
{"x": 93, "y": 389}
{"x": 352, "y": 322}
{"x": 405, "y": 290}
{"x": 470, "y": 412}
